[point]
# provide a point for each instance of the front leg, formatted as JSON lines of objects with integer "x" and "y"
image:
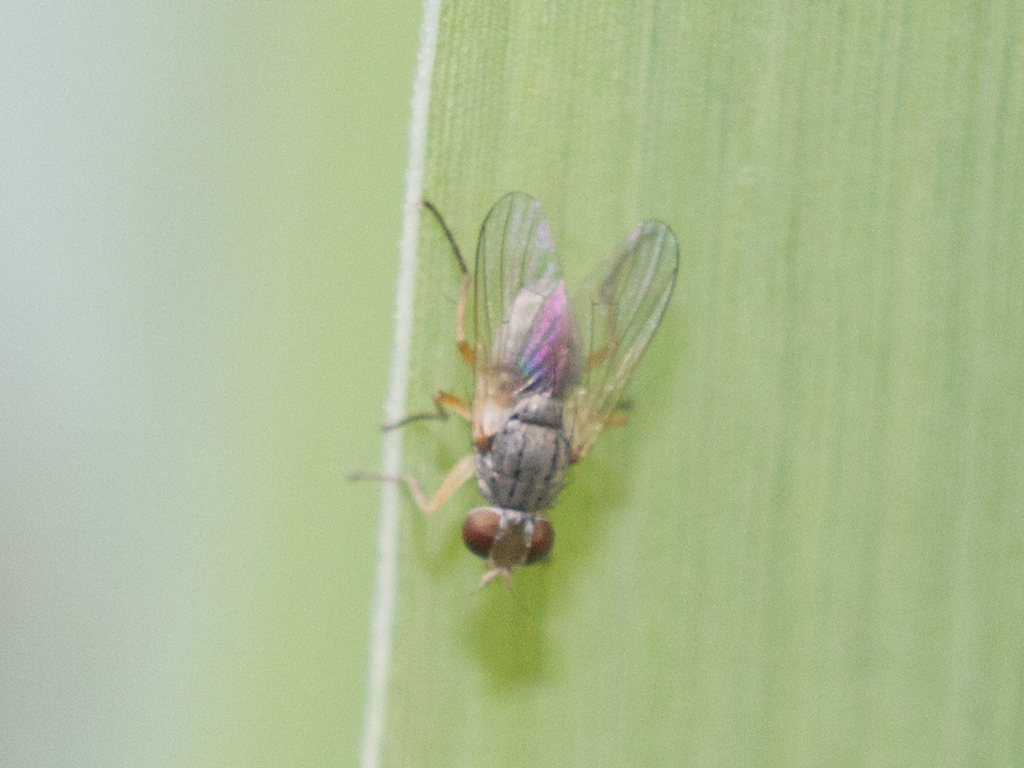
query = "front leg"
{"x": 460, "y": 473}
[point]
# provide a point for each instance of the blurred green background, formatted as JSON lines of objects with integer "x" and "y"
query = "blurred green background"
{"x": 806, "y": 549}
{"x": 199, "y": 216}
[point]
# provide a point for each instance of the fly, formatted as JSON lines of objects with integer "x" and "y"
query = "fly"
{"x": 544, "y": 387}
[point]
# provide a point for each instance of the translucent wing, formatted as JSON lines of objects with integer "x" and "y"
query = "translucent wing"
{"x": 620, "y": 306}
{"x": 526, "y": 339}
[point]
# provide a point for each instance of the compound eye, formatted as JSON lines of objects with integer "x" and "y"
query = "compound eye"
{"x": 479, "y": 530}
{"x": 542, "y": 541}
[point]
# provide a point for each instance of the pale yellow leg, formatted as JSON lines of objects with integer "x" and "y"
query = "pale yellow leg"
{"x": 465, "y": 349}
{"x": 442, "y": 401}
{"x": 460, "y": 473}
{"x": 467, "y": 352}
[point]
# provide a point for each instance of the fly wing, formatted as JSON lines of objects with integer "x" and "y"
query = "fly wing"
{"x": 525, "y": 336}
{"x": 621, "y": 306}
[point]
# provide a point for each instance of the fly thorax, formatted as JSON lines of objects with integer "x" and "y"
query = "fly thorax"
{"x": 541, "y": 409}
{"x": 524, "y": 462}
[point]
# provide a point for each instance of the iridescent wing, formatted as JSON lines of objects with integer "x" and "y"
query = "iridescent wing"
{"x": 620, "y": 307}
{"x": 525, "y": 336}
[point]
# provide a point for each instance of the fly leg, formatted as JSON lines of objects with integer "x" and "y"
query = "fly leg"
{"x": 617, "y": 418}
{"x": 443, "y": 402}
{"x": 467, "y": 352}
{"x": 460, "y": 473}
{"x": 446, "y": 400}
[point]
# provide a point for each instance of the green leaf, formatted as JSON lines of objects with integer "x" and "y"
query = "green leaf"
{"x": 808, "y": 546}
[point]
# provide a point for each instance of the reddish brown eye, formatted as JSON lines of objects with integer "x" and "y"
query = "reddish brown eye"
{"x": 542, "y": 541}
{"x": 479, "y": 530}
